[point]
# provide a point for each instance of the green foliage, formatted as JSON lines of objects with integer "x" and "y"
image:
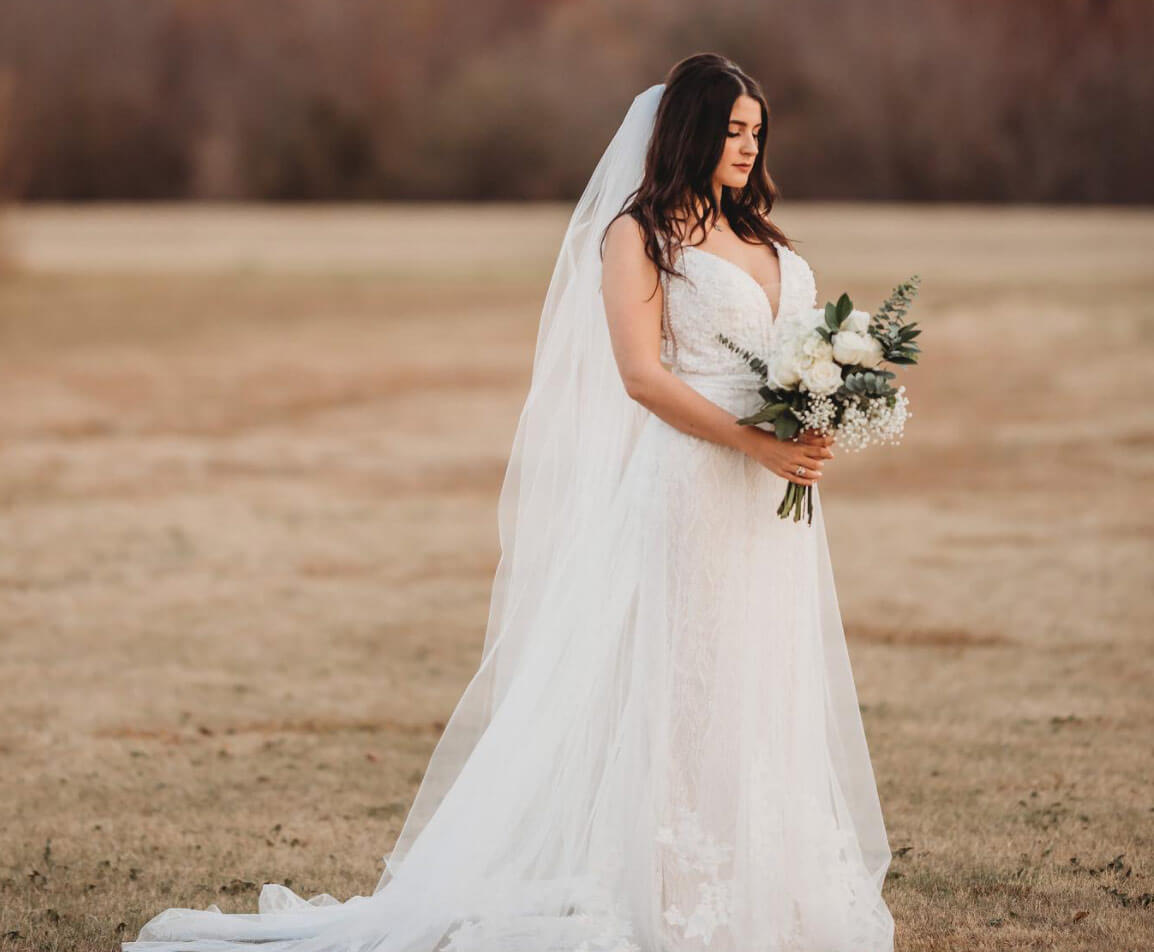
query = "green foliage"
{"x": 894, "y": 308}
{"x": 756, "y": 364}
{"x": 767, "y": 414}
{"x": 871, "y": 383}
{"x": 889, "y": 329}
{"x": 779, "y": 404}
{"x": 783, "y": 408}
{"x": 786, "y": 426}
{"x": 835, "y": 315}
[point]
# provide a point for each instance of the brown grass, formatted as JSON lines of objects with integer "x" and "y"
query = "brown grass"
{"x": 248, "y": 472}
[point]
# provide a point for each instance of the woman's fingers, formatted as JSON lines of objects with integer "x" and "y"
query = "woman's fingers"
{"x": 816, "y": 448}
{"x": 815, "y": 438}
{"x": 800, "y": 480}
{"x": 809, "y": 451}
{"x": 809, "y": 474}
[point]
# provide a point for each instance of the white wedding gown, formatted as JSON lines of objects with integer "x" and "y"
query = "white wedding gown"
{"x": 684, "y": 770}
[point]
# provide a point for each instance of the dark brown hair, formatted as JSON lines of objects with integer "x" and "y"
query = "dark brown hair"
{"x": 687, "y": 143}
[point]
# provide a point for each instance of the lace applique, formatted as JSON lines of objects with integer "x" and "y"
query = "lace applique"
{"x": 697, "y": 852}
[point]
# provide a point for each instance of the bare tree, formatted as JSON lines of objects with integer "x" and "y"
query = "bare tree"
{"x": 1039, "y": 100}
{"x": 6, "y": 90}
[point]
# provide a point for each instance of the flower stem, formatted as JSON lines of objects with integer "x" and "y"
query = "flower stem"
{"x": 797, "y": 499}
{"x": 786, "y": 501}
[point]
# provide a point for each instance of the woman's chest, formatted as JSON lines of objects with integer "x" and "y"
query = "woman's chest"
{"x": 714, "y": 296}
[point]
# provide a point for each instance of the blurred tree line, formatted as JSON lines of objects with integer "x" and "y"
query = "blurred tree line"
{"x": 1031, "y": 100}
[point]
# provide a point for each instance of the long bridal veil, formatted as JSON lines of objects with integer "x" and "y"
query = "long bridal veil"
{"x": 573, "y": 441}
{"x": 531, "y": 830}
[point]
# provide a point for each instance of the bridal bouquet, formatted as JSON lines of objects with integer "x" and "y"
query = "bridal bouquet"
{"x": 825, "y": 375}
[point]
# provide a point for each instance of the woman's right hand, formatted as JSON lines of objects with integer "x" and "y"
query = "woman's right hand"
{"x": 784, "y": 457}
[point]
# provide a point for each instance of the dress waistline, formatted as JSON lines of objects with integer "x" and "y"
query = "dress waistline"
{"x": 744, "y": 380}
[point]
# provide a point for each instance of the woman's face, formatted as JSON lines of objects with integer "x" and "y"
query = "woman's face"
{"x": 740, "y": 143}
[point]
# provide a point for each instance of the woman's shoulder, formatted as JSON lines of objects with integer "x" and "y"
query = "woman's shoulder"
{"x": 626, "y": 228}
{"x": 624, "y": 237}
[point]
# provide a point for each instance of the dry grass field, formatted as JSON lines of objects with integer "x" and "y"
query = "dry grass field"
{"x": 249, "y": 463}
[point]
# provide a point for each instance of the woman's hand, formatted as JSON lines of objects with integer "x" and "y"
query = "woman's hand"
{"x": 808, "y": 451}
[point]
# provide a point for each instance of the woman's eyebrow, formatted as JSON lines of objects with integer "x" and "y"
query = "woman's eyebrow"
{"x": 742, "y": 122}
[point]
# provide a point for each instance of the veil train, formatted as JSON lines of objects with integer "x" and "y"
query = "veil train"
{"x": 531, "y": 830}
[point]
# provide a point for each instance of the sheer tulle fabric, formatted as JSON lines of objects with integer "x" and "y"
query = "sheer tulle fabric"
{"x": 661, "y": 748}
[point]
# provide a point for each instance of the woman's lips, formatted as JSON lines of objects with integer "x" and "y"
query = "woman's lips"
{"x": 744, "y": 168}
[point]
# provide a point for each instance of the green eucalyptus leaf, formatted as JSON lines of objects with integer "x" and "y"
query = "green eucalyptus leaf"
{"x": 767, "y": 414}
{"x": 786, "y": 426}
{"x": 759, "y": 417}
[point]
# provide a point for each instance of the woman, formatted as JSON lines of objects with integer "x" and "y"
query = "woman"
{"x": 661, "y": 749}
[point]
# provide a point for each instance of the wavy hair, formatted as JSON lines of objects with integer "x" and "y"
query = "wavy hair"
{"x": 687, "y": 143}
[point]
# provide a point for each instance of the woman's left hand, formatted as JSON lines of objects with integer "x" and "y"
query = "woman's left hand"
{"x": 816, "y": 439}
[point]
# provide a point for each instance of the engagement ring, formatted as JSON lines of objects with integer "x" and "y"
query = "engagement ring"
{"x": 801, "y": 471}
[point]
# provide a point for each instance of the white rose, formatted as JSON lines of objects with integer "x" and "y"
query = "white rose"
{"x": 823, "y": 377}
{"x": 783, "y": 368}
{"x": 857, "y": 321}
{"x": 850, "y": 347}
{"x": 817, "y": 348}
{"x": 874, "y": 357}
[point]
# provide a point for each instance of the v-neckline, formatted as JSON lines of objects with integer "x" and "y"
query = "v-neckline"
{"x": 773, "y": 313}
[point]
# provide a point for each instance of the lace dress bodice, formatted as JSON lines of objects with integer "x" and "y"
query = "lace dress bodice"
{"x": 717, "y": 296}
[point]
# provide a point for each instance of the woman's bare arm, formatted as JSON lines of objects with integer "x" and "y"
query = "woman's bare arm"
{"x": 628, "y": 278}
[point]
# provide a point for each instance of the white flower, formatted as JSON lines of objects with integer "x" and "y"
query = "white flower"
{"x": 874, "y": 357}
{"x": 874, "y": 422}
{"x": 817, "y": 348}
{"x": 784, "y": 369}
{"x": 823, "y": 377}
{"x": 850, "y": 347}
{"x": 857, "y": 321}
{"x": 792, "y": 330}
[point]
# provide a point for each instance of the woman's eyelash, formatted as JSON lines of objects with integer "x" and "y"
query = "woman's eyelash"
{"x": 732, "y": 134}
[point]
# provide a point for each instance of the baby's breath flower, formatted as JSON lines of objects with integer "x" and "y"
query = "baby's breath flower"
{"x": 878, "y": 420}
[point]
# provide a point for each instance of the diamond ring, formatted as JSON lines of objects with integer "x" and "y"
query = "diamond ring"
{"x": 800, "y": 471}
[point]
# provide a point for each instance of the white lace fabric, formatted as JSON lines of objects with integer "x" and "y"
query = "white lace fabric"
{"x": 661, "y": 750}
{"x": 740, "y": 309}
{"x": 756, "y": 846}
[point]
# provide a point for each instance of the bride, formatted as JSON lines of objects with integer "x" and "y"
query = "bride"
{"x": 661, "y": 749}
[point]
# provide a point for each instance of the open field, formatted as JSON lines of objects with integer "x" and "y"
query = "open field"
{"x": 249, "y": 462}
